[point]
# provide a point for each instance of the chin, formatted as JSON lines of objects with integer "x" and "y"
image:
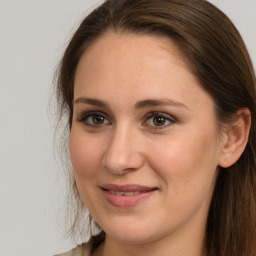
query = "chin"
{"x": 131, "y": 234}
{"x": 131, "y": 238}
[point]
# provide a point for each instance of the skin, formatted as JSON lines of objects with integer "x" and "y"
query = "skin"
{"x": 179, "y": 156}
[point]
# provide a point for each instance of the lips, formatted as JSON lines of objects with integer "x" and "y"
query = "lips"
{"x": 126, "y": 195}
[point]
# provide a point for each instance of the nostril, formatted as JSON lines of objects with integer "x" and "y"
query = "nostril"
{"x": 122, "y": 163}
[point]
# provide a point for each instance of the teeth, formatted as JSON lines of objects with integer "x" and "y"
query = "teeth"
{"x": 129, "y": 193}
{"x": 124, "y": 193}
{"x": 118, "y": 193}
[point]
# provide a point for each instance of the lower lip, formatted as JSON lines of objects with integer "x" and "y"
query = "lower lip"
{"x": 126, "y": 201}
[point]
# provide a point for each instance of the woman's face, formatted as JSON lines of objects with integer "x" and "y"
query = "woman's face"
{"x": 144, "y": 140}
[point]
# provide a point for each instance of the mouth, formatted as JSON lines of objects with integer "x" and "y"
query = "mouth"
{"x": 125, "y": 196}
{"x": 125, "y": 193}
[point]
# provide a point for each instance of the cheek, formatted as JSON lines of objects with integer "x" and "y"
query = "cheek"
{"x": 188, "y": 173}
{"x": 85, "y": 155}
{"x": 85, "y": 158}
{"x": 187, "y": 162}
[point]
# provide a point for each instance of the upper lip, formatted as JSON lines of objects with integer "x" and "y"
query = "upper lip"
{"x": 127, "y": 188}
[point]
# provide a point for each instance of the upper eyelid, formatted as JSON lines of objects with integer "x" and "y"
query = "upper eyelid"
{"x": 159, "y": 113}
{"x": 92, "y": 112}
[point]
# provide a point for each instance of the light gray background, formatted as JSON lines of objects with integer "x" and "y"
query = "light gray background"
{"x": 33, "y": 35}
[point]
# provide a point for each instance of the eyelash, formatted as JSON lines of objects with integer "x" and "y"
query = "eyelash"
{"x": 164, "y": 116}
{"x": 85, "y": 116}
{"x": 93, "y": 114}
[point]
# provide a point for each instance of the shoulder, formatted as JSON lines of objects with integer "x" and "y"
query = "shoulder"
{"x": 86, "y": 249}
{"x": 81, "y": 250}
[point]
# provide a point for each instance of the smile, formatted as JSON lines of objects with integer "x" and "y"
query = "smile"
{"x": 124, "y": 193}
{"x": 126, "y": 196}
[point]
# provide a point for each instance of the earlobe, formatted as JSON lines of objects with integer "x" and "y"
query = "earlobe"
{"x": 236, "y": 138}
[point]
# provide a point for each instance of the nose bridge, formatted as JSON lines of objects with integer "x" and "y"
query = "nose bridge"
{"x": 123, "y": 152}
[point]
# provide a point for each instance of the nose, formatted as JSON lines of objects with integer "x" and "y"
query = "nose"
{"x": 123, "y": 153}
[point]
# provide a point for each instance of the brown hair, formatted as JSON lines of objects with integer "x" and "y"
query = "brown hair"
{"x": 218, "y": 58}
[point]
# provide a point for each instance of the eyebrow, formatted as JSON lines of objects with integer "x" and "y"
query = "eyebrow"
{"x": 158, "y": 102}
{"x": 93, "y": 102}
{"x": 139, "y": 105}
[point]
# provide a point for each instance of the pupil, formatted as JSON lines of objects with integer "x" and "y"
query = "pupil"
{"x": 98, "y": 119}
{"x": 158, "y": 121}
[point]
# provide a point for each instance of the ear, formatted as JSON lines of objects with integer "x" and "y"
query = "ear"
{"x": 235, "y": 138}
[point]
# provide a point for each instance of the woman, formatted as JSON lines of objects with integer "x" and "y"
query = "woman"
{"x": 160, "y": 99}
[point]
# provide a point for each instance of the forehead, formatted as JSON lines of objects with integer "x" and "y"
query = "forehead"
{"x": 127, "y": 54}
{"x": 136, "y": 66}
{"x": 111, "y": 46}
{"x": 131, "y": 41}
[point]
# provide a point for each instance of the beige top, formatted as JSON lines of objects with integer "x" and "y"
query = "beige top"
{"x": 80, "y": 250}
{"x": 86, "y": 249}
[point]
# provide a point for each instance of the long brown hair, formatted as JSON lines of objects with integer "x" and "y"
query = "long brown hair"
{"x": 218, "y": 58}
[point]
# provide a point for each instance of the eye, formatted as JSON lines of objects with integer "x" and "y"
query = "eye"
{"x": 158, "y": 120}
{"x": 96, "y": 119}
